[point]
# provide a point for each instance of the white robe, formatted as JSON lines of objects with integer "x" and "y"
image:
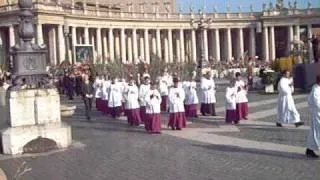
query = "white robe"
{"x": 115, "y": 95}
{"x": 105, "y": 90}
{"x": 190, "y": 89}
{"x": 153, "y": 104}
{"x": 97, "y": 85}
{"x": 131, "y": 94}
{"x": 287, "y": 112}
{"x": 143, "y": 91}
{"x": 164, "y": 86}
{"x": 176, "y": 99}
{"x": 208, "y": 92}
{"x": 313, "y": 141}
{"x": 241, "y": 96}
{"x": 231, "y": 98}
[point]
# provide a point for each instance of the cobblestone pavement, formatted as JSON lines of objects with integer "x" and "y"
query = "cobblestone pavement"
{"x": 208, "y": 149}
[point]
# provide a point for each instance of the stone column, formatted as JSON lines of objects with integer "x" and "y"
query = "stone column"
{"x": 240, "y": 44}
{"x": 117, "y": 45}
{"x": 105, "y": 46}
{"x": 39, "y": 34}
{"x": 146, "y": 45}
{"x": 166, "y": 49}
{"x": 141, "y": 39}
{"x": 123, "y": 46}
{"x": 86, "y": 35}
{"x": 74, "y": 42}
{"x": 53, "y": 46}
{"x": 297, "y": 29}
{"x": 154, "y": 44}
{"x": 252, "y": 42}
{"x": 290, "y": 39}
{"x": 182, "y": 50}
{"x": 272, "y": 44}
{"x": 310, "y": 49}
{"x": 61, "y": 41}
{"x": 205, "y": 45}
{"x": 159, "y": 54}
{"x": 178, "y": 53}
{"x": 265, "y": 44}
{"x": 12, "y": 40}
{"x": 129, "y": 40}
{"x": 170, "y": 45}
{"x": 229, "y": 45}
{"x": 99, "y": 43}
{"x": 111, "y": 44}
{"x": 216, "y": 42}
{"x": 135, "y": 45}
{"x": 194, "y": 46}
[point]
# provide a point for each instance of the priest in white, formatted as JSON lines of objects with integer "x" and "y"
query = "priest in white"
{"x": 177, "y": 119}
{"x": 313, "y": 142}
{"x": 143, "y": 91}
{"x": 115, "y": 99}
{"x": 286, "y": 109}
{"x": 231, "y": 113}
{"x": 208, "y": 95}
{"x": 153, "y": 111}
{"x": 191, "y": 101}
{"x": 97, "y": 85}
{"x": 105, "y": 95}
{"x": 131, "y": 94}
{"x": 164, "y": 83}
{"x": 241, "y": 98}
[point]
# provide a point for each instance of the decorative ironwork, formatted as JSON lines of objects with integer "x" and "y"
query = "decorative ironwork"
{"x": 28, "y": 64}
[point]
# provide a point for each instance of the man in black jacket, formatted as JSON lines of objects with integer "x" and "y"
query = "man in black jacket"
{"x": 87, "y": 95}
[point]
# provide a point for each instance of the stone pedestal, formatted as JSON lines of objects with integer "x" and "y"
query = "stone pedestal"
{"x": 269, "y": 88}
{"x": 32, "y": 114}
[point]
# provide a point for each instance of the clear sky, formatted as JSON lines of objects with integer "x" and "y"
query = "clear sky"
{"x": 234, "y": 4}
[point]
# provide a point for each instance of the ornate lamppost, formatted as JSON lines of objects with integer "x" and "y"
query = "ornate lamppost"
{"x": 201, "y": 25}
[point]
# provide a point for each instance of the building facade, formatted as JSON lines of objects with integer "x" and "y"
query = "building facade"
{"x": 132, "y": 35}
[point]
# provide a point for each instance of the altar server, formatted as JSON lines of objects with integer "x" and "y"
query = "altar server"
{"x": 313, "y": 142}
{"x": 208, "y": 95}
{"x": 241, "y": 98}
{"x": 97, "y": 85}
{"x": 115, "y": 99}
{"x": 191, "y": 100}
{"x": 230, "y": 97}
{"x": 153, "y": 111}
{"x": 286, "y": 109}
{"x": 164, "y": 83}
{"x": 131, "y": 94}
{"x": 143, "y": 91}
{"x": 177, "y": 119}
{"x": 105, "y": 95}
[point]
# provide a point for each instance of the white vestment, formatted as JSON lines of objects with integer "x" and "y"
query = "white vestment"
{"x": 313, "y": 141}
{"x": 105, "y": 90}
{"x": 241, "y": 96}
{"x": 97, "y": 85}
{"x": 164, "y": 85}
{"x": 176, "y": 99}
{"x": 115, "y": 95}
{"x": 190, "y": 89}
{"x": 231, "y": 98}
{"x": 287, "y": 112}
{"x": 153, "y": 101}
{"x": 131, "y": 94}
{"x": 143, "y": 91}
{"x": 208, "y": 92}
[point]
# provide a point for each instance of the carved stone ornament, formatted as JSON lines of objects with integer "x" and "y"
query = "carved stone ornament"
{"x": 28, "y": 64}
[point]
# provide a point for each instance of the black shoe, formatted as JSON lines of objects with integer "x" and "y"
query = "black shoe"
{"x": 179, "y": 129}
{"x": 279, "y": 125}
{"x": 310, "y": 153}
{"x": 172, "y": 128}
{"x": 299, "y": 124}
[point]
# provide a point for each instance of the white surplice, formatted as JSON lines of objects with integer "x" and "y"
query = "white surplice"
{"x": 153, "y": 101}
{"x": 176, "y": 100}
{"x": 313, "y": 141}
{"x": 231, "y": 98}
{"x": 164, "y": 85}
{"x": 190, "y": 89}
{"x": 143, "y": 91}
{"x": 97, "y": 85}
{"x": 115, "y": 95}
{"x": 208, "y": 92}
{"x": 105, "y": 89}
{"x": 241, "y": 96}
{"x": 286, "y": 109}
{"x": 131, "y": 94}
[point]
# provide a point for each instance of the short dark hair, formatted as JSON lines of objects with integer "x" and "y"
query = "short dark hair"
{"x": 318, "y": 79}
{"x": 238, "y": 74}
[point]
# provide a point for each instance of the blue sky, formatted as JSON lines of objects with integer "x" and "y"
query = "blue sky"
{"x": 234, "y": 4}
